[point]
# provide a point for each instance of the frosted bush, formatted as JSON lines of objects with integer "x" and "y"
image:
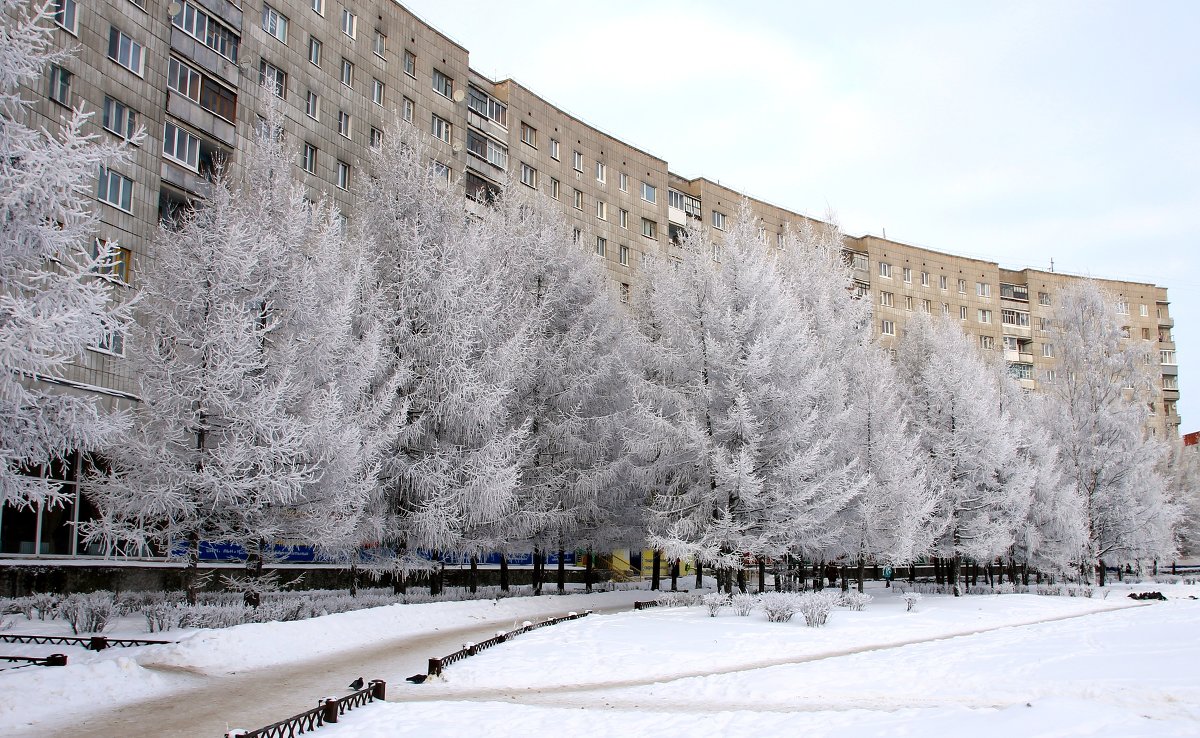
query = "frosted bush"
{"x": 743, "y": 604}
{"x": 677, "y": 599}
{"x": 89, "y": 613}
{"x": 779, "y": 606}
{"x": 46, "y": 605}
{"x": 715, "y": 602}
{"x": 910, "y": 600}
{"x": 855, "y": 600}
{"x": 816, "y": 606}
{"x": 160, "y": 616}
{"x": 17, "y": 605}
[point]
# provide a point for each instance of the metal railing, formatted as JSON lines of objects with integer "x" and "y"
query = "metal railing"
{"x": 91, "y": 643}
{"x": 437, "y": 665}
{"x": 327, "y": 711}
{"x": 54, "y": 659}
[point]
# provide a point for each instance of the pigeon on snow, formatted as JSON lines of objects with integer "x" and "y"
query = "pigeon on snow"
{"x": 357, "y": 684}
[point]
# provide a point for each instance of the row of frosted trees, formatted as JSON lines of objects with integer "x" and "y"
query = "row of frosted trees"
{"x": 425, "y": 378}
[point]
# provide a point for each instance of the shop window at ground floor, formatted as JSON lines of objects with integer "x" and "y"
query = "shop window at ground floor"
{"x": 50, "y": 529}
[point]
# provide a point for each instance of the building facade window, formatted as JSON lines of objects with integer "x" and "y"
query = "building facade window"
{"x": 410, "y": 63}
{"x": 924, "y": 279}
{"x": 344, "y": 123}
{"x": 318, "y": 7}
{"x": 1166, "y": 356}
{"x": 376, "y": 137}
{"x": 115, "y": 266}
{"x": 349, "y": 23}
{"x": 1122, "y": 307}
{"x": 1014, "y": 317}
{"x": 1144, "y": 311}
{"x": 1048, "y": 350}
{"x": 859, "y": 261}
{"x": 601, "y": 173}
{"x": 625, "y": 292}
{"x": 649, "y": 228}
{"x": 623, "y": 253}
{"x": 442, "y": 84}
{"x": 718, "y": 220}
{"x": 962, "y": 286}
{"x": 485, "y": 148}
{"x": 926, "y": 306}
{"x": 528, "y": 175}
{"x": 377, "y": 92}
{"x": 577, "y": 161}
{"x": 312, "y": 105}
{"x": 987, "y": 343}
{"x": 623, "y": 182}
{"x": 528, "y": 135}
{"x": 908, "y": 303}
{"x": 60, "y": 85}
{"x": 379, "y": 44}
{"x": 962, "y": 312}
{"x": 119, "y": 118}
{"x": 649, "y": 193}
{"x": 577, "y": 200}
{"x": 314, "y": 51}
{"x": 885, "y": 299}
{"x": 601, "y": 210}
{"x": 309, "y": 159}
{"x": 409, "y": 110}
{"x": 554, "y": 149}
{"x": 198, "y": 24}
{"x": 907, "y": 274}
{"x": 885, "y": 270}
{"x": 66, "y": 15}
{"x": 273, "y": 77}
{"x": 985, "y": 316}
{"x": 181, "y": 146}
{"x": 274, "y": 23}
{"x": 623, "y": 218}
{"x": 487, "y": 106}
{"x": 125, "y": 51}
{"x": 347, "y": 73}
{"x": 601, "y": 246}
{"x": 343, "y": 175}
{"x": 983, "y": 289}
{"x": 887, "y": 327}
{"x": 554, "y": 188}
{"x": 115, "y": 189}
{"x": 1043, "y": 298}
{"x": 183, "y": 79}
{"x": 943, "y": 282}
{"x": 440, "y": 128}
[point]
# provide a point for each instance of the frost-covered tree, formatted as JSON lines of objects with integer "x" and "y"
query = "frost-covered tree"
{"x": 574, "y": 481}
{"x": 956, "y": 400}
{"x": 889, "y": 515}
{"x": 1101, "y": 389}
{"x": 53, "y": 302}
{"x": 726, "y": 431}
{"x": 453, "y": 473}
{"x": 1183, "y": 466}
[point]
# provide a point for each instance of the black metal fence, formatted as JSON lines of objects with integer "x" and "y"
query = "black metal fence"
{"x": 326, "y": 711}
{"x": 437, "y": 665}
{"x": 54, "y": 659}
{"x": 646, "y": 605}
{"x": 91, "y": 643}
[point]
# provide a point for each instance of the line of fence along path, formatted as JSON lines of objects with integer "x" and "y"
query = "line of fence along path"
{"x": 328, "y": 710}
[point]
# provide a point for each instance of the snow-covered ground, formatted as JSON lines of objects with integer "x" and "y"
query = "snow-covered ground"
{"x": 981, "y": 665}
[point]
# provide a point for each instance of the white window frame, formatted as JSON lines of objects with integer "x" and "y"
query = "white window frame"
{"x": 440, "y": 128}
{"x": 409, "y": 110}
{"x": 312, "y": 105}
{"x": 601, "y": 210}
{"x": 66, "y": 16}
{"x": 443, "y": 84}
{"x": 984, "y": 316}
{"x": 623, "y": 255}
{"x": 987, "y": 343}
{"x": 60, "y": 85}
{"x": 962, "y": 312}
{"x": 906, "y": 274}
{"x": 885, "y": 270}
{"x": 578, "y": 200}
{"x": 528, "y": 135}
{"x": 649, "y": 193}
{"x": 314, "y": 51}
{"x": 185, "y": 80}
{"x": 129, "y": 53}
{"x": 346, "y": 74}
{"x": 601, "y": 173}
{"x": 601, "y": 247}
{"x": 983, "y": 289}
{"x": 376, "y": 137}
{"x": 308, "y": 158}
{"x": 718, "y": 220}
{"x": 343, "y": 175}
{"x": 962, "y": 286}
{"x": 173, "y": 135}
{"x": 378, "y": 91}
{"x": 623, "y": 182}
{"x": 349, "y": 23}
{"x": 528, "y": 175}
{"x": 623, "y": 219}
{"x": 1044, "y": 298}
{"x": 924, "y": 279}
{"x": 410, "y": 63}
{"x": 577, "y": 161}
{"x": 345, "y": 124}
{"x": 379, "y": 44}
{"x": 943, "y": 282}
{"x": 124, "y": 189}
{"x": 649, "y": 228}
{"x": 554, "y": 149}
{"x": 274, "y": 75}
{"x": 275, "y": 23}
{"x": 118, "y": 118}
{"x": 887, "y": 327}
{"x": 554, "y": 188}
{"x": 886, "y": 299}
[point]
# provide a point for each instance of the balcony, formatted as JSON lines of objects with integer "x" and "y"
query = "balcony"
{"x": 205, "y": 57}
{"x": 190, "y": 112}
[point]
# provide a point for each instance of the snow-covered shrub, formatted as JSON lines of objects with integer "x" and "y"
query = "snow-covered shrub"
{"x": 715, "y": 602}
{"x": 677, "y": 599}
{"x": 910, "y": 600}
{"x": 46, "y": 605}
{"x": 17, "y": 606}
{"x": 160, "y": 616}
{"x": 7, "y": 621}
{"x": 743, "y": 604}
{"x": 855, "y": 600}
{"x": 779, "y": 606}
{"x": 214, "y": 616}
{"x": 816, "y": 606}
{"x": 89, "y": 613}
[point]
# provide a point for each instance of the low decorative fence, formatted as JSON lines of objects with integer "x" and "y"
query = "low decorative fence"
{"x": 54, "y": 659}
{"x": 646, "y": 605}
{"x": 437, "y": 665}
{"x": 326, "y": 711}
{"x": 91, "y": 643}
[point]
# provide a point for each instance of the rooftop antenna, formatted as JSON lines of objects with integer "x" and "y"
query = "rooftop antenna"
{"x": 885, "y": 232}
{"x": 1052, "y": 264}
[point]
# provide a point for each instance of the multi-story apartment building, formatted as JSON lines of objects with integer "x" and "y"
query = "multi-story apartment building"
{"x": 191, "y": 72}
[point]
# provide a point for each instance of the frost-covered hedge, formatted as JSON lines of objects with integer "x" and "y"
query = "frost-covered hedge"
{"x": 816, "y": 606}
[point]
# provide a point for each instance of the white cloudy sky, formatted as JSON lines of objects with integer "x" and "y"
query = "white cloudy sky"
{"x": 1014, "y": 131}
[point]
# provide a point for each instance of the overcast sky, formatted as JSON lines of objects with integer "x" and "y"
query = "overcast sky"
{"x": 1017, "y": 132}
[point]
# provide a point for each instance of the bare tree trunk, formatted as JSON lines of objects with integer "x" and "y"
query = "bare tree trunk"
{"x": 741, "y": 579}
{"x": 589, "y": 571}
{"x": 503, "y": 572}
{"x": 537, "y": 570}
{"x": 700, "y": 574}
{"x": 656, "y": 573}
{"x": 1101, "y": 572}
{"x": 762, "y": 575}
{"x": 862, "y": 565}
{"x": 956, "y": 573}
{"x": 252, "y": 595}
{"x": 354, "y": 577}
{"x": 191, "y": 573}
{"x": 562, "y": 571}
{"x": 674, "y": 575}
{"x": 433, "y": 575}
{"x": 937, "y": 570}
{"x": 845, "y": 578}
{"x": 473, "y": 579}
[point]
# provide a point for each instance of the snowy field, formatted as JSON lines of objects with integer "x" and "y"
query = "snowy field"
{"x": 982, "y": 665}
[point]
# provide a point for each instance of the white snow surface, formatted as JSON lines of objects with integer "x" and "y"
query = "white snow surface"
{"x": 980, "y": 665}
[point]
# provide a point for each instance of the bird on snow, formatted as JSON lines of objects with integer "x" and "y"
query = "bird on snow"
{"x": 418, "y": 678}
{"x": 357, "y": 684}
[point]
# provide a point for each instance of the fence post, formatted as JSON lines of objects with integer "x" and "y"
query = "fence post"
{"x": 435, "y": 667}
{"x": 378, "y": 689}
{"x": 97, "y": 643}
{"x": 56, "y": 659}
{"x": 329, "y": 710}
